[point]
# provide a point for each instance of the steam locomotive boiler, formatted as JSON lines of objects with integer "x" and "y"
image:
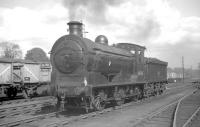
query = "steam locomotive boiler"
{"x": 90, "y": 74}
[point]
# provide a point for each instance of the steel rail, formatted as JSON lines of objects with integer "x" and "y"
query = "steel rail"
{"x": 26, "y": 120}
{"x": 25, "y": 100}
{"x": 84, "y": 116}
{"x": 177, "y": 108}
{"x": 155, "y": 113}
{"x": 67, "y": 120}
{"x": 189, "y": 121}
{"x": 24, "y": 108}
{"x": 26, "y": 103}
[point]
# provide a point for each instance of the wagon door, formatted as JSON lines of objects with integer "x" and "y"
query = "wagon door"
{"x": 45, "y": 73}
{"x": 17, "y": 75}
{"x": 31, "y": 73}
{"x": 5, "y": 73}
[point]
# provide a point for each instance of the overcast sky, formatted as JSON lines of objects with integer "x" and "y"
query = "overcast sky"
{"x": 169, "y": 29}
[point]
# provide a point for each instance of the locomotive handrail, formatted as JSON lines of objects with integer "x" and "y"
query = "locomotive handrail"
{"x": 117, "y": 84}
{"x": 98, "y": 49}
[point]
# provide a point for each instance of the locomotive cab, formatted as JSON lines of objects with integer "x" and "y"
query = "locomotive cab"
{"x": 138, "y": 52}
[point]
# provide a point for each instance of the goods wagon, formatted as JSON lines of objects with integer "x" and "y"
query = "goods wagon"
{"x": 22, "y": 75}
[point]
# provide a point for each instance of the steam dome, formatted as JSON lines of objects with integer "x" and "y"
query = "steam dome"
{"x": 101, "y": 39}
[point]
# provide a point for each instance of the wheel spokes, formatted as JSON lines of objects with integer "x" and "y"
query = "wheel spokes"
{"x": 99, "y": 104}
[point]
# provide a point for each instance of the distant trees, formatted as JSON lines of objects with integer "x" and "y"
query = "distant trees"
{"x": 10, "y": 50}
{"x": 36, "y": 54}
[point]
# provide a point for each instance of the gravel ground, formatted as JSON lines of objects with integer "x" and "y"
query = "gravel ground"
{"x": 127, "y": 116}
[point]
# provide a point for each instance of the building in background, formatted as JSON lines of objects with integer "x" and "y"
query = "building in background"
{"x": 176, "y": 74}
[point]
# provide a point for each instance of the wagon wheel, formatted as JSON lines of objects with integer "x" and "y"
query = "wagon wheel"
{"x": 86, "y": 105}
{"x": 120, "y": 102}
{"x": 99, "y": 104}
{"x": 25, "y": 92}
{"x": 12, "y": 92}
{"x": 120, "y": 97}
{"x": 132, "y": 93}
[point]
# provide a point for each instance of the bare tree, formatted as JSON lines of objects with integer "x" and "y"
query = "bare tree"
{"x": 10, "y": 50}
{"x": 37, "y": 55}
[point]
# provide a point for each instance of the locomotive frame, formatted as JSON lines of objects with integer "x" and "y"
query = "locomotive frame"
{"x": 91, "y": 74}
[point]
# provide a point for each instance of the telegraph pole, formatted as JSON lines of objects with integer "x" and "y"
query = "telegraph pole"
{"x": 183, "y": 68}
{"x": 199, "y": 71}
{"x": 191, "y": 74}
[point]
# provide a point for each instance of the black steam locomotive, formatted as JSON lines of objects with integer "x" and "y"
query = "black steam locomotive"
{"x": 91, "y": 74}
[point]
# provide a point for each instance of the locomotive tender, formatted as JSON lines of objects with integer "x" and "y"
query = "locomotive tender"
{"x": 90, "y": 74}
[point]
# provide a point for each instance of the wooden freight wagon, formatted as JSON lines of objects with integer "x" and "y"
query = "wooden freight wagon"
{"x": 17, "y": 75}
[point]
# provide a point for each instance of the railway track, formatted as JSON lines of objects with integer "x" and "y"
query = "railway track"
{"x": 187, "y": 110}
{"x": 177, "y": 114}
{"x": 59, "y": 118}
{"x": 162, "y": 117}
{"x": 25, "y": 107}
{"x": 19, "y": 100}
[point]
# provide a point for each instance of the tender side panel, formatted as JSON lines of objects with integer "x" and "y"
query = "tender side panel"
{"x": 155, "y": 72}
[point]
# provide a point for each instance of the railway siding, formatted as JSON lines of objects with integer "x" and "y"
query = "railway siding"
{"x": 56, "y": 119}
{"x": 60, "y": 121}
{"x": 29, "y": 102}
{"x": 14, "y": 110}
{"x": 179, "y": 114}
{"x": 160, "y": 117}
{"x": 187, "y": 110}
{"x": 19, "y": 101}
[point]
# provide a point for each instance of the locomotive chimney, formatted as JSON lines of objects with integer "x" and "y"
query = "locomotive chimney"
{"x": 76, "y": 28}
